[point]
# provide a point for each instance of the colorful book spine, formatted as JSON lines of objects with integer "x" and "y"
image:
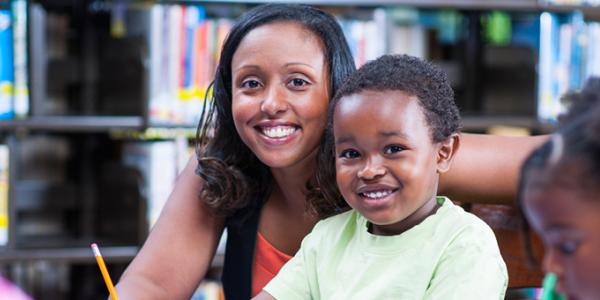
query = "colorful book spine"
{"x": 6, "y": 65}
{"x": 21, "y": 73}
{"x": 4, "y": 186}
{"x": 548, "y": 107}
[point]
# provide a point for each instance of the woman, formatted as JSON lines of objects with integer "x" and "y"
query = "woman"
{"x": 278, "y": 69}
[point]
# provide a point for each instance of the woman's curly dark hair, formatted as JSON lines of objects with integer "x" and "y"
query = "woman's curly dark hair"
{"x": 233, "y": 176}
{"x": 579, "y": 134}
{"x": 428, "y": 83}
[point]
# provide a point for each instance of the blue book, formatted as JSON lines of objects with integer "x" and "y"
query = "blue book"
{"x": 6, "y": 65}
{"x": 548, "y": 104}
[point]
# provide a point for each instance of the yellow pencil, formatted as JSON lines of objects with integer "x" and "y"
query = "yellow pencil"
{"x": 104, "y": 271}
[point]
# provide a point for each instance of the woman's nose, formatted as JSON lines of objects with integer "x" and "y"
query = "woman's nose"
{"x": 274, "y": 101}
{"x": 373, "y": 168}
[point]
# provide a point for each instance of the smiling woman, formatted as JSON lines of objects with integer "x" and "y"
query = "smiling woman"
{"x": 279, "y": 67}
{"x": 278, "y": 104}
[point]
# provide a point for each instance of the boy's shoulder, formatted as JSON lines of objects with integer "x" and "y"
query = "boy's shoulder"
{"x": 456, "y": 220}
{"x": 338, "y": 221}
{"x": 336, "y": 227}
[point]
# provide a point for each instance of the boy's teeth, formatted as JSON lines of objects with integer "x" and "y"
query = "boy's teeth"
{"x": 376, "y": 195}
{"x": 278, "y": 132}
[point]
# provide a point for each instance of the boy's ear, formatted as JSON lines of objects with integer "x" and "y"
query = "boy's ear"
{"x": 446, "y": 152}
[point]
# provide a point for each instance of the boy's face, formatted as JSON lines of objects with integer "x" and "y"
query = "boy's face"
{"x": 568, "y": 221}
{"x": 386, "y": 163}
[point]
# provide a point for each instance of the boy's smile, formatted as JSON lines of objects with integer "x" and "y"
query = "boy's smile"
{"x": 386, "y": 162}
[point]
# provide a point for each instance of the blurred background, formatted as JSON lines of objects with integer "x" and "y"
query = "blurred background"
{"x": 99, "y": 103}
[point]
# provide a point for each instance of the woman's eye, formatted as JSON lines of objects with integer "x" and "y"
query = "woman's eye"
{"x": 568, "y": 247}
{"x": 349, "y": 154}
{"x": 298, "y": 82}
{"x": 250, "y": 84}
{"x": 392, "y": 149}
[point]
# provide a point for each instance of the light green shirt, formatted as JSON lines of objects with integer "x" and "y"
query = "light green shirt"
{"x": 450, "y": 255}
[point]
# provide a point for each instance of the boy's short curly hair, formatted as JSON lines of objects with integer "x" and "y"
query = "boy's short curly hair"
{"x": 413, "y": 76}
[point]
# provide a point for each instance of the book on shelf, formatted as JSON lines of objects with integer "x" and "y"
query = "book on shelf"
{"x": 14, "y": 93}
{"x": 4, "y": 186}
{"x": 209, "y": 290}
{"x": 159, "y": 162}
{"x": 21, "y": 73}
{"x": 6, "y": 65}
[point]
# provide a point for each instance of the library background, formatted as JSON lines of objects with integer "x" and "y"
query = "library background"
{"x": 99, "y": 102}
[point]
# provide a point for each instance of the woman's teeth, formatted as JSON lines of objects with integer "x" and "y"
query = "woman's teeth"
{"x": 376, "y": 195}
{"x": 278, "y": 132}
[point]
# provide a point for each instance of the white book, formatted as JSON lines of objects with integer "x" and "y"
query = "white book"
{"x": 156, "y": 44}
{"x": 21, "y": 90}
{"x": 4, "y": 186}
{"x": 175, "y": 64}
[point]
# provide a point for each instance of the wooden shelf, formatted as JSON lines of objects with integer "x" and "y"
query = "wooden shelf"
{"x": 478, "y": 123}
{"x": 121, "y": 254}
{"x": 73, "y": 123}
{"x": 83, "y": 255}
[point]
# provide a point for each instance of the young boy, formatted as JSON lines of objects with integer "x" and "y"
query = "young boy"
{"x": 393, "y": 129}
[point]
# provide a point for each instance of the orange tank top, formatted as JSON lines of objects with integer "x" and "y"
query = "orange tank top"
{"x": 267, "y": 262}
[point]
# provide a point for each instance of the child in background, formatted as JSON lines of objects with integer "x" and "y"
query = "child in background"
{"x": 393, "y": 129}
{"x": 560, "y": 196}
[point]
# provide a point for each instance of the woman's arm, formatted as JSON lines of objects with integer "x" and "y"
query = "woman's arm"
{"x": 179, "y": 249}
{"x": 486, "y": 168}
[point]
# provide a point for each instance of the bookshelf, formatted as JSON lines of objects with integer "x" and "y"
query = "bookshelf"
{"x": 98, "y": 104}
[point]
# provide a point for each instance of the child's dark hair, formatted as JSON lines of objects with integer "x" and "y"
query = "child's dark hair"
{"x": 577, "y": 141}
{"x": 233, "y": 175}
{"x": 404, "y": 73}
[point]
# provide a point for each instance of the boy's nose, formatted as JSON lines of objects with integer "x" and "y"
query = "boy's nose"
{"x": 372, "y": 169}
{"x": 274, "y": 102}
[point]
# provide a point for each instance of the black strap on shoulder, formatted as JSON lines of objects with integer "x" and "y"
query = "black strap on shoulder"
{"x": 242, "y": 228}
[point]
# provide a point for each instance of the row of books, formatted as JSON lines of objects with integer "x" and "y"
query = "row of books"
{"x": 159, "y": 163}
{"x": 185, "y": 43}
{"x": 184, "y": 50}
{"x": 14, "y": 93}
{"x": 43, "y": 184}
{"x": 569, "y": 54}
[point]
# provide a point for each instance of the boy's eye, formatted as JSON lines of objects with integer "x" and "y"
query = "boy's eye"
{"x": 567, "y": 247}
{"x": 349, "y": 154}
{"x": 392, "y": 149}
{"x": 250, "y": 84}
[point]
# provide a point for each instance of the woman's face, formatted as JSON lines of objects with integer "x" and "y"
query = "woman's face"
{"x": 280, "y": 93}
{"x": 568, "y": 220}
